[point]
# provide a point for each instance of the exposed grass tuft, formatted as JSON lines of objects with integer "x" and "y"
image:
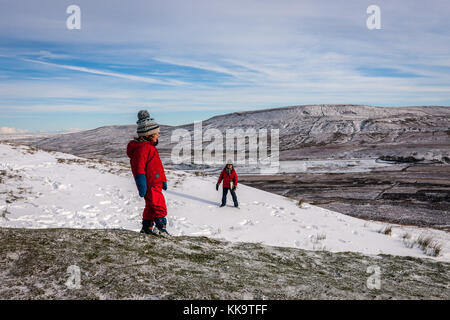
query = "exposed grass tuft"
{"x": 426, "y": 243}
{"x": 429, "y": 246}
{"x": 386, "y": 230}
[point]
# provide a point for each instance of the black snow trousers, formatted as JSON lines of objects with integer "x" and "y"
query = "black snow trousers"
{"x": 233, "y": 195}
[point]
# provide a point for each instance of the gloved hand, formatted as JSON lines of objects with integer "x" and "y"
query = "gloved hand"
{"x": 217, "y": 187}
{"x": 141, "y": 184}
{"x": 233, "y": 189}
{"x": 164, "y": 185}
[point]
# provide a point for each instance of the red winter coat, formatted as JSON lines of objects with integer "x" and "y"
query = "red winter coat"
{"x": 144, "y": 159}
{"x": 227, "y": 178}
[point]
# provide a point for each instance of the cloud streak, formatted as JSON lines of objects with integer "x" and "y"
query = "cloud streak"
{"x": 110, "y": 73}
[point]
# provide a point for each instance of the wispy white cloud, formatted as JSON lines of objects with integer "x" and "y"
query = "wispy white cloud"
{"x": 110, "y": 73}
{"x": 202, "y": 65}
{"x": 45, "y": 54}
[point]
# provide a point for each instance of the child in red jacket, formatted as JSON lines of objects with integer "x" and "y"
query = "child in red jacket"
{"x": 148, "y": 172}
{"x": 229, "y": 176}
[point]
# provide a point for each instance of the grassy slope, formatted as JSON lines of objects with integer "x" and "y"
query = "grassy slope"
{"x": 118, "y": 264}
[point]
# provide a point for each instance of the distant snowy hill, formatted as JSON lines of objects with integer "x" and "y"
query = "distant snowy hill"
{"x": 348, "y": 131}
{"x": 306, "y": 132}
{"x": 41, "y": 189}
{"x": 107, "y": 142}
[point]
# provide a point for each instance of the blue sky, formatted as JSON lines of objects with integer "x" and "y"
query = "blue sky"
{"x": 190, "y": 60}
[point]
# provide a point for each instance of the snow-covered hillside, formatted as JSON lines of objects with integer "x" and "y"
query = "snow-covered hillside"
{"x": 41, "y": 189}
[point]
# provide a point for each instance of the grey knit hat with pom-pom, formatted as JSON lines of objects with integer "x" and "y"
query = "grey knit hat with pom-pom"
{"x": 146, "y": 126}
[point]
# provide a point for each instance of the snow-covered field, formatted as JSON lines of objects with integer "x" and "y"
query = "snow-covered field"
{"x": 54, "y": 190}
